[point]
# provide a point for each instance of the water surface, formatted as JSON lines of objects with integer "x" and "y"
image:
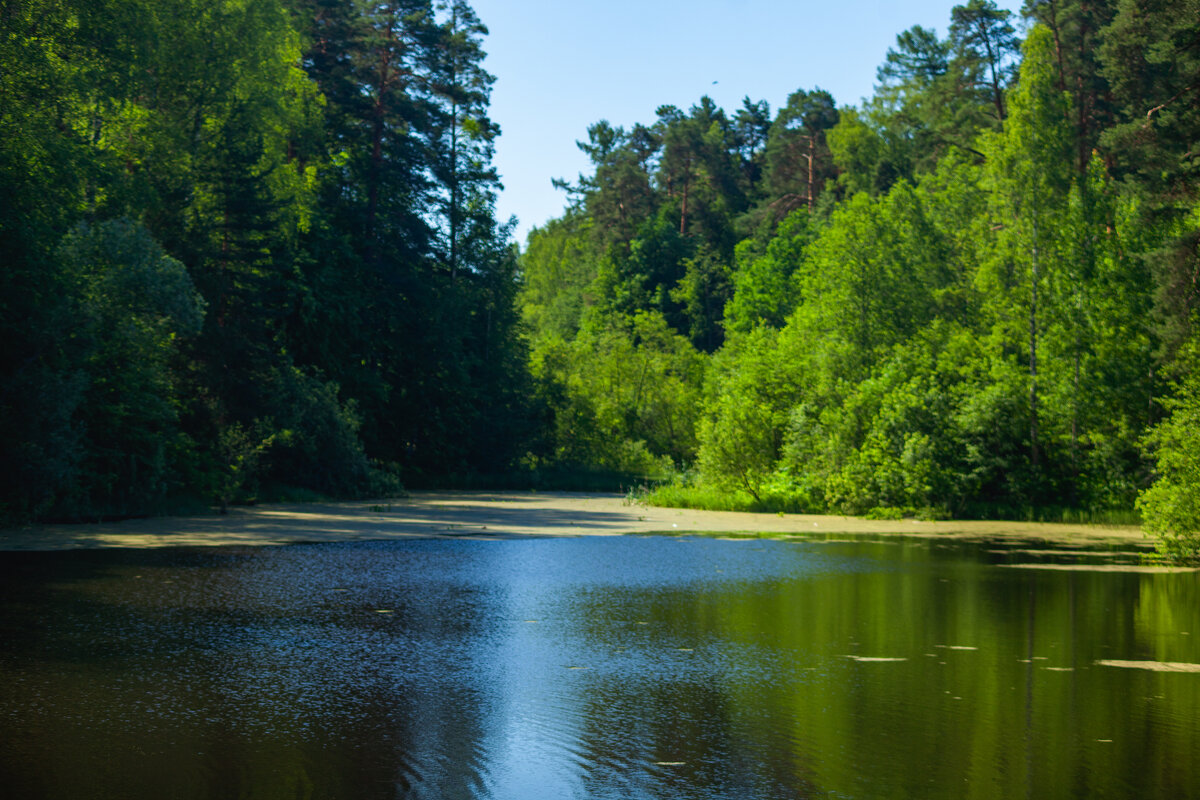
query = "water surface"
{"x": 629, "y": 667}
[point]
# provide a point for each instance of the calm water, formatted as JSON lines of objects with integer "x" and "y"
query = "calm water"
{"x": 635, "y": 667}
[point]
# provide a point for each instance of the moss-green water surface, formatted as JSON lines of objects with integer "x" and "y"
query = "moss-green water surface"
{"x": 664, "y": 667}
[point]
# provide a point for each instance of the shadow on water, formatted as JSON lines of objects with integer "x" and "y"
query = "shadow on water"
{"x": 671, "y": 667}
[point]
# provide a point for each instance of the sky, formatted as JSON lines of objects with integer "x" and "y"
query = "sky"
{"x": 561, "y": 65}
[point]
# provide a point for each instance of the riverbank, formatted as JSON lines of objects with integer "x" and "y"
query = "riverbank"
{"x": 511, "y": 514}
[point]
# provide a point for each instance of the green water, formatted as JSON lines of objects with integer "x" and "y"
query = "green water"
{"x": 631, "y": 667}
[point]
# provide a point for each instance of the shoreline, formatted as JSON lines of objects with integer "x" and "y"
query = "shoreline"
{"x": 496, "y": 515}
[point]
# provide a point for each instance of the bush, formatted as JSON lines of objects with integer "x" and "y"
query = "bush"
{"x": 1171, "y": 507}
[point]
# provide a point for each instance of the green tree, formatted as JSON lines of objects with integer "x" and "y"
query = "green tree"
{"x": 798, "y": 160}
{"x": 132, "y": 303}
{"x": 699, "y": 173}
{"x": 1076, "y": 27}
{"x": 619, "y": 194}
{"x": 751, "y": 129}
{"x": 751, "y": 387}
{"x": 1171, "y": 506}
{"x": 895, "y": 442}
{"x": 1029, "y": 173}
{"x": 859, "y": 152}
{"x": 703, "y": 291}
{"x": 1102, "y": 336}
{"x": 928, "y": 100}
{"x": 1150, "y": 56}
{"x": 986, "y": 43}
{"x": 558, "y": 266}
{"x": 462, "y": 135}
{"x": 764, "y": 291}
{"x": 623, "y": 395}
{"x": 869, "y": 279}
{"x": 918, "y": 59}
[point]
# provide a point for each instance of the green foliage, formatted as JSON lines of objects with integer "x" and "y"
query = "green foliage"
{"x": 238, "y": 453}
{"x": 871, "y": 278}
{"x": 105, "y": 439}
{"x": 972, "y": 342}
{"x": 967, "y": 324}
{"x": 703, "y": 291}
{"x": 311, "y": 275}
{"x": 558, "y": 267}
{"x": 985, "y": 44}
{"x": 708, "y": 498}
{"x": 251, "y": 249}
{"x": 859, "y": 151}
{"x": 752, "y": 384}
{"x": 133, "y": 304}
{"x": 1150, "y": 57}
{"x": 764, "y": 291}
{"x": 623, "y": 395}
{"x": 892, "y": 443}
{"x": 1171, "y": 506}
{"x": 313, "y": 440}
{"x": 798, "y": 161}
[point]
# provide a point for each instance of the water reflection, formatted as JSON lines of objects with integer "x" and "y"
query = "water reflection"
{"x": 627, "y": 667}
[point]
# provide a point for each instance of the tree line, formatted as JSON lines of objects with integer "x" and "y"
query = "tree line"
{"x": 973, "y": 294}
{"x": 248, "y": 249}
{"x": 251, "y": 250}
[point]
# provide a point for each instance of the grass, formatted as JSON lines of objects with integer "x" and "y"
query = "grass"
{"x": 706, "y": 498}
{"x": 1073, "y": 516}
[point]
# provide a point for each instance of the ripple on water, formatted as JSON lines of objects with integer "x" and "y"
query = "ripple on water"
{"x": 631, "y": 667}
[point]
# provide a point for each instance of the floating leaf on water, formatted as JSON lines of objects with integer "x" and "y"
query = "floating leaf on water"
{"x": 1156, "y": 666}
{"x": 575, "y": 667}
{"x": 669, "y": 763}
{"x": 383, "y": 611}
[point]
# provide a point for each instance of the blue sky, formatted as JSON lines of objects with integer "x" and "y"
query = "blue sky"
{"x": 562, "y": 65}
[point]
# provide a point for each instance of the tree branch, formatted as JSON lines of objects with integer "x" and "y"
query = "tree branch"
{"x": 1158, "y": 108}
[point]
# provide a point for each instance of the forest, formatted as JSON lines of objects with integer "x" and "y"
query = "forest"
{"x": 250, "y": 251}
{"x": 973, "y": 295}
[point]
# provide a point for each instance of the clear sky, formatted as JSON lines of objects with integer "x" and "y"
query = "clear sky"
{"x": 561, "y": 65}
